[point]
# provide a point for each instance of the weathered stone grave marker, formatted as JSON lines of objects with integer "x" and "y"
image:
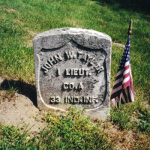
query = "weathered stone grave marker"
{"x": 72, "y": 67}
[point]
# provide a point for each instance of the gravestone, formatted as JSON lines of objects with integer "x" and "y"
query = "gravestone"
{"x": 72, "y": 67}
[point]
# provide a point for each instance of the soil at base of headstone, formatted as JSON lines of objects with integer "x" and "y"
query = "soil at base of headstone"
{"x": 19, "y": 110}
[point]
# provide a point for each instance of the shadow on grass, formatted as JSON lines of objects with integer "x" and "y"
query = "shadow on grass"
{"x": 142, "y": 6}
{"x": 21, "y": 88}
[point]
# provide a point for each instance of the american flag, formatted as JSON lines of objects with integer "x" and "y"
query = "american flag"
{"x": 123, "y": 87}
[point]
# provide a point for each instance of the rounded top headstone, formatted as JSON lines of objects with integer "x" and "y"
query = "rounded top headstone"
{"x": 72, "y": 67}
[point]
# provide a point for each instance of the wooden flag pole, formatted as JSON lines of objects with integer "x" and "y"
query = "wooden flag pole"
{"x": 130, "y": 28}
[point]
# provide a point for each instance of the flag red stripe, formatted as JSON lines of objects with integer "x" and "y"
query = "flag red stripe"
{"x": 127, "y": 67}
{"x": 126, "y": 75}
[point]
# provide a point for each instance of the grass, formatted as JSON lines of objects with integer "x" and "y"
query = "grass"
{"x": 63, "y": 132}
{"x": 21, "y": 20}
{"x": 18, "y": 28}
{"x": 125, "y": 117}
{"x": 72, "y": 131}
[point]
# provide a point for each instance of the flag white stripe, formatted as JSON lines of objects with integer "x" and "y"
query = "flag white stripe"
{"x": 132, "y": 96}
{"x": 120, "y": 72}
{"x": 126, "y": 71}
{"x": 117, "y": 89}
{"x": 127, "y": 63}
{"x": 114, "y": 101}
{"x": 126, "y": 79}
{"x": 119, "y": 80}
